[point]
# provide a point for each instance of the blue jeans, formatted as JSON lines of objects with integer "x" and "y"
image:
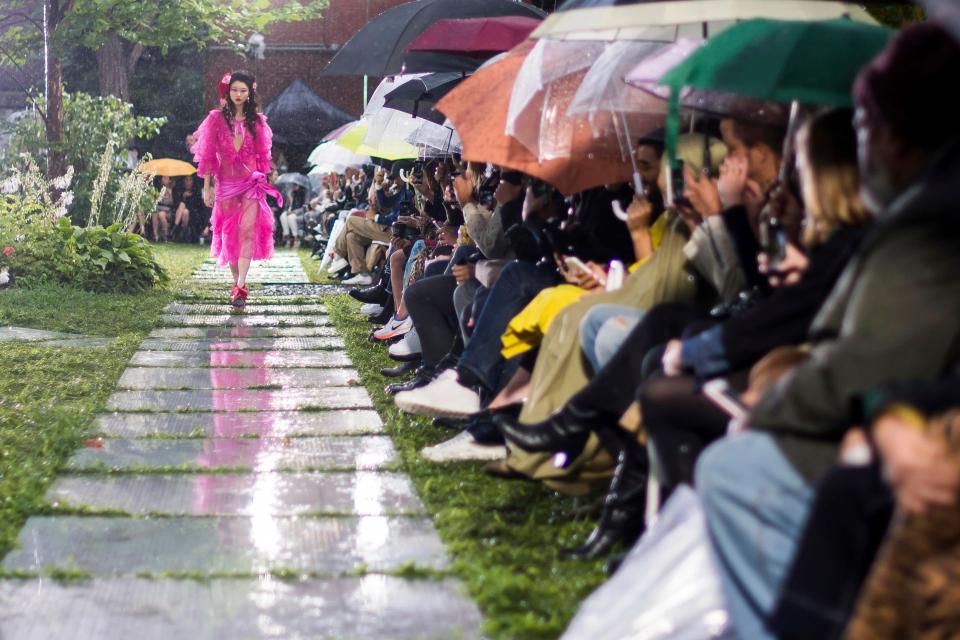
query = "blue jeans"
{"x": 756, "y": 505}
{"x": 516, "y": 286}
{"x": 603, "y": 329}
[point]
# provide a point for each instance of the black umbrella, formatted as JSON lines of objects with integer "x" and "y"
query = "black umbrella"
{"x": 378, "y": 48}
{"x": 299, "y": 116}
{"x": 417, "y": 96}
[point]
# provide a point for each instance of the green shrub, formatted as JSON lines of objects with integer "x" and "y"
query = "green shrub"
{"x": 90, "y": 258}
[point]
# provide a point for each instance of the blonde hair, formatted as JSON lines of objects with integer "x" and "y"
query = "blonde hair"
{"x": 831, "y": 190}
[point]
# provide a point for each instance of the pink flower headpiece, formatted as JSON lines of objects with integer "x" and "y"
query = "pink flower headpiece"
{"x": 224, "y": 87}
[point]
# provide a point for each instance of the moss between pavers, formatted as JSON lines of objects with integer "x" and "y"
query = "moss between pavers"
{"x": 49, "y": 395}
{"x": 504, "y": 536}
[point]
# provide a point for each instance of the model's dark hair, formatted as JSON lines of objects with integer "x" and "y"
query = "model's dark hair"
{"x": 251, "y": 107}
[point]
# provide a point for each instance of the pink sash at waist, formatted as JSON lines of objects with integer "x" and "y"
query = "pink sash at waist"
{"x": 254, "y": 186}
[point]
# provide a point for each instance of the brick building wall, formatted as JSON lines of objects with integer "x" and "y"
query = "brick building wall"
{"x": 300, "y": 51}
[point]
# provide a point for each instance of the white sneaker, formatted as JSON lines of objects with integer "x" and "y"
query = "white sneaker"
{"x": 463, "y": 447}
{"x": 394, "y": 328}
{"x": 444, "y": 397}
{"x": 407, "y": 348}
{"x": 362, "y": 279}
{"x": 371, "y": 309}
{"x": 338, "y": 265}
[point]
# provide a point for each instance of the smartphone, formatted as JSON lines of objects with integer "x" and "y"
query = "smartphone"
{"x": 773, "y": 240}
{"x": 675, "y": 183}
{"x": 721, "y": 394}
{"x": 417, "y": 170}
{"x": 573, "y": 263}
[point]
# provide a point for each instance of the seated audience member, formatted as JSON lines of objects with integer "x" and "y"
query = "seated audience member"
{"x": 160, "y": 220}
{"x": 894, "y": 314}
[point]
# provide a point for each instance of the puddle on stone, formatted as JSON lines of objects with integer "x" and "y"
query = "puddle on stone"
{"x": 252, "y": 309}
{"x": 193, "y": 333}
{"x": 243, "y": 320}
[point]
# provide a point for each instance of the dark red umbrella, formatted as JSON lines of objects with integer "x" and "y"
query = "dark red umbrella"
{"x": 475, "y": 36}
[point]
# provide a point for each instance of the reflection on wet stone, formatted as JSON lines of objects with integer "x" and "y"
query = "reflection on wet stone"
{"x": 274, "y": 494}
{"x": 258, "y": 454}
{"x": 238, "y": 425}
{"x": 239, "y": 444}
{"x": 206, "y": 378}
{"x": 241, "y": 400}
{"x": 242, "y": 359}
{"x": 240, "y": 344}
{"x": 243, "y": 320}
{"x": 252, "y": 309}
{"x": 127, "y": 546}
{"x": 374, "y": 606}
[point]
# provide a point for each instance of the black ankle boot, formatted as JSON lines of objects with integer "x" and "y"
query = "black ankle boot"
{"x": 566, "y": 430}
{"x": 377, "y": 294}
{"x": 624, "y": 508}
{"x": 401, "y": 369}
{"x": 423, "y": 376}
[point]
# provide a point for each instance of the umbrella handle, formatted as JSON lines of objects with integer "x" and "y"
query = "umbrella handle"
{"x": 618, "y": 210}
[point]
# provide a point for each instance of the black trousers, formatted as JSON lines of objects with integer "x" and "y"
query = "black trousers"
{"x": 614, "y": 387}
{"x": 848, "y": 521}
{"x": 430, "y": 304}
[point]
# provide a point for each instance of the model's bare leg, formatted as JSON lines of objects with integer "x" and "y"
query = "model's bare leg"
{"x": 398, "y": 260}
{"x": 235, "y": 270}
{"x": 248, "y": 223}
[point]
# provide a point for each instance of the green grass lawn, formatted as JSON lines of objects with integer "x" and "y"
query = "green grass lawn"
{"x": 504, "y": 536}
{"x": 49, "y": 395}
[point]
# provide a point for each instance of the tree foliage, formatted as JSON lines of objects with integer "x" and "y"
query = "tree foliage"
{"x": 91, "y": 124}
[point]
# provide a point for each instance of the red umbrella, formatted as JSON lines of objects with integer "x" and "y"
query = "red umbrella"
{"x": 475, "y": 36}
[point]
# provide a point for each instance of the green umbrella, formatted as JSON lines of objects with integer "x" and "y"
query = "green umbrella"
{"x": 807, "y": 62}
{"x": 786, "y": 61}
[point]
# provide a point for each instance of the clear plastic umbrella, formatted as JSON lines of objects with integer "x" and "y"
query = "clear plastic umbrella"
{"x": 330, "y": 154}
{"x": 548, "y": 62}
{"x": 646, "y": 74}
{"x": 603, "y": 88}
{"x": 434, "y": 139}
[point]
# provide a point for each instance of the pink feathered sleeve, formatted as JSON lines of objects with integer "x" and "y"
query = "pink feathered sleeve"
{"x": 263, "y": 145}
{"x": 205, "y": 148}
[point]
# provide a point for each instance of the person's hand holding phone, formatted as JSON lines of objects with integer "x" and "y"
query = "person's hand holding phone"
{"x": 787, "y": 271}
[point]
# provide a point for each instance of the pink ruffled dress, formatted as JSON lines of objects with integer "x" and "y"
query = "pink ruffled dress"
{"x": 241, "y": 225}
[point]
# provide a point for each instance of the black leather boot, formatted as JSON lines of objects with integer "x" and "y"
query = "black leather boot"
{"x": 422, "y": 377}
{"x": 401, "y": 369}
{"x": 376, "y": 294}
{"x": 566, "y": 430}
{"x": 624, "y": 508}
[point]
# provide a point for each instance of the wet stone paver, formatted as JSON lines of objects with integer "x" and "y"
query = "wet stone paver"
{"x": 225, "y": 321}
{"x": 238, "y": 446}
{"x": 192, "y": 333}
{"x": 242, "y": 344}
{"x": 277, "y": 424}
{"x": 233, "y": 494}
{"x": 241, "y": 359}
{"x": 206, "y": 378}
{"x": 373, "y": 606}
{"x": 240, "y": 400}
{"x": 255, "y": 454}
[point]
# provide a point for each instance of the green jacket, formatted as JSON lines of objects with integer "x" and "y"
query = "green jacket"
{"x": 894, "y": 314}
